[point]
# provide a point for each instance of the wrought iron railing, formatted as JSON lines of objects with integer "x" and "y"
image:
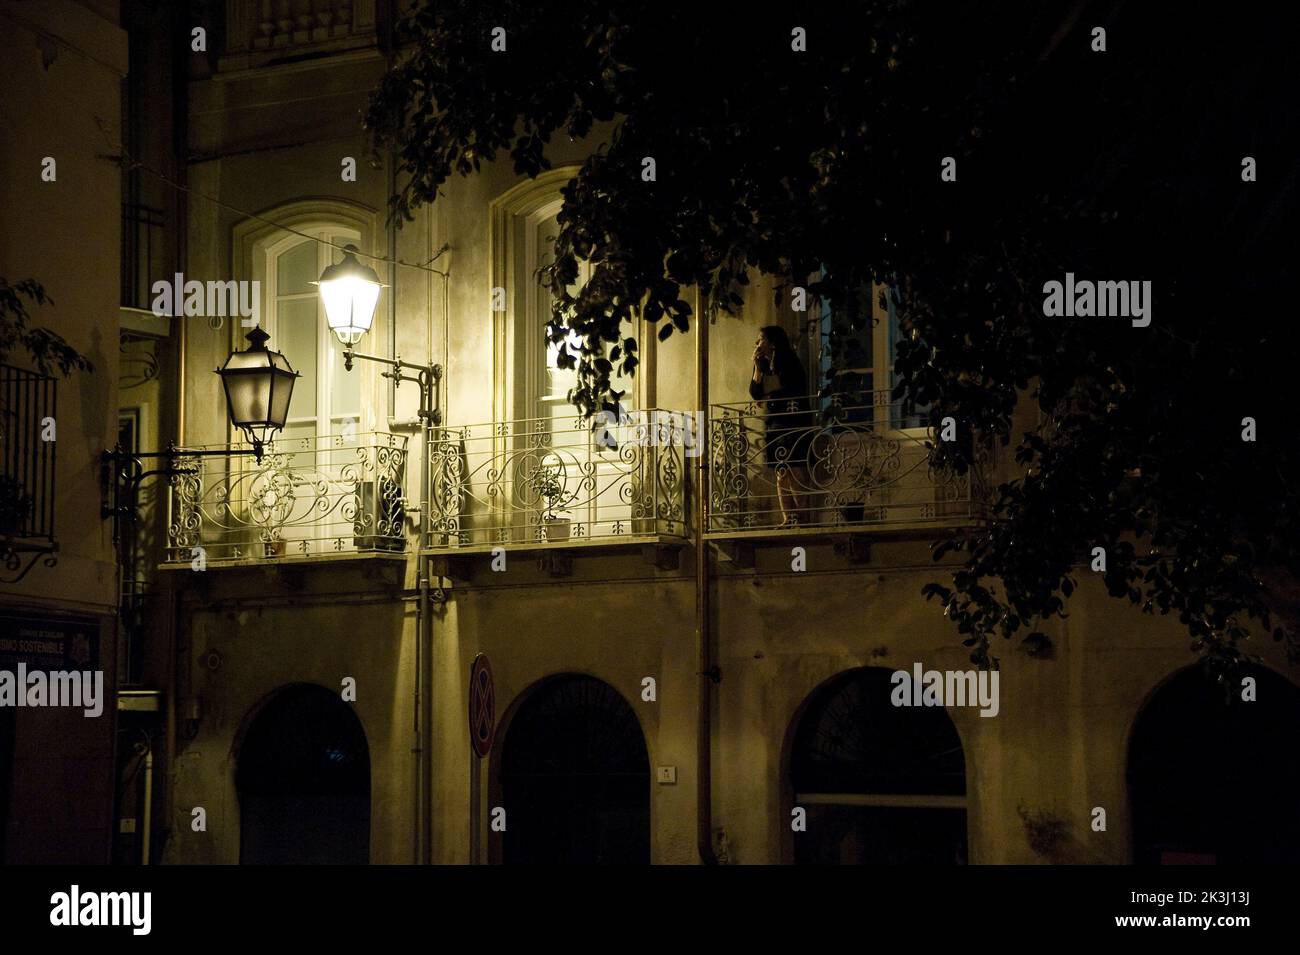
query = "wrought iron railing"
{"x": 27, "y": 458}
{"x": 143, "y": 246}
{"x": 294, "y": 24}
{"x": 830, "y": 462}
{"x": 556, "y": 480}
{"x": 307, "y": 497}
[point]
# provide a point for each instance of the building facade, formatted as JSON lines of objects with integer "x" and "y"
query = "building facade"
{"x": 61, "y": 66}
{"x": 681, "y": 668}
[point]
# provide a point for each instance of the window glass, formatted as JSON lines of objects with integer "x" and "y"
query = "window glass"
{"x": 903, "y": 414}
{"x": 297, "y": 269}
{"x": 296, "y": 336}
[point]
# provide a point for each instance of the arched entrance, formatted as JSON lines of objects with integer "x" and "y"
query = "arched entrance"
{"x": 303, "y": 777}
{"x": 575, "y": 777}
{"x": 1213, "y": 778}
{"x": 880, "y": 784}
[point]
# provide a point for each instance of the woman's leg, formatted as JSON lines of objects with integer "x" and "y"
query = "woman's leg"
{"x": 786, "y": 496}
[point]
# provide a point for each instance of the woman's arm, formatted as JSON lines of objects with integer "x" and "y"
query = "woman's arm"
{"x": 793, "y": 382}
{"x": 756, "y": 380}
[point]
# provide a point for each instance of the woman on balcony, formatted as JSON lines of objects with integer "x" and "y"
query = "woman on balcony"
{"x": 780, "y": 382}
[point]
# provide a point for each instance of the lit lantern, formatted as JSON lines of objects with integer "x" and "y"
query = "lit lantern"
{"x": 258, "y": 384}
{"x": 350, "y": 292}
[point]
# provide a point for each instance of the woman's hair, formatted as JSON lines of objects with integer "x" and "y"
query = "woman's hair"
{"x": 784, "y": 359}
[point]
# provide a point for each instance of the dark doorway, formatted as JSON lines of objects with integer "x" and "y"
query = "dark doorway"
{"x": 1215, "y": 779}
{"x": 880, "y": 784}
{"x": 304, "y": 783}
{"x": 575, "y": 777}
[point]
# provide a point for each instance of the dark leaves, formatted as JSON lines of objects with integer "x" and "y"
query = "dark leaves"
{"x": 46, "y": 349}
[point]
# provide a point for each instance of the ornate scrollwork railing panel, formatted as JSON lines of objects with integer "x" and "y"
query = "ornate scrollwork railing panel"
{"x": 843, "y": 460}
{"x": 555, "y": 479}
{"x": 307, "y": 496}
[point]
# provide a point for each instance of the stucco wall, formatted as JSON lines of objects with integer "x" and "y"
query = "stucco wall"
{"x": 61, "y": 64}
{"x": 267, "y": 632}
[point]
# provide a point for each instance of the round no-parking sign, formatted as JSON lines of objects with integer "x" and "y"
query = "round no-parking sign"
{"x": 482, "y": 706}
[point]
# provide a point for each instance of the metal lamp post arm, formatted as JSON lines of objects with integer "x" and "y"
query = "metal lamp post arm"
{"x": 428, "y": 377}
{"x": 128, "y": 472}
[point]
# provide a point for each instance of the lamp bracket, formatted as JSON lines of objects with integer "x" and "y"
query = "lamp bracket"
{"x": 123, "y": 471}
{"x": 428, "y": 377}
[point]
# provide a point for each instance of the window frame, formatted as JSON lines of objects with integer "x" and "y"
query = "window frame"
{"x": 267, "y": 257}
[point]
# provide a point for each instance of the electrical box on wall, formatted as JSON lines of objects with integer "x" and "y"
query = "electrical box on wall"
{"x": 666, "y": 775}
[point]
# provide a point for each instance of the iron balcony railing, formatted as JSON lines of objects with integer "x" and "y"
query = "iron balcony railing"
{"x": 542, "y": 481}
{"x": 143, "y": 246}
{"x": 840, "y": 462}
{"x": 307, "y": 497}
{"x": 28, "y": 411}
{"x": 297, "y": 25}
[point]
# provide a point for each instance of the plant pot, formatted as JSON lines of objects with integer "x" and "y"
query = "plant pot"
{"x": 273, "y": 548}
{"x": 557, "y": 528}
{"x": 852, "y": 513}
{"x": 390, "y": 544}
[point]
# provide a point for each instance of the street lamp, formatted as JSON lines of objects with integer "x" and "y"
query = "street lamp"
{"x": 350, "y": 292}
{"x": 258, "y": 383}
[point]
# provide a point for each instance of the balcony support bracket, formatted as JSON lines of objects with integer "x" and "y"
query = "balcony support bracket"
{"x": 663, "y": 556}
{"x": 739, "y": 554}
{"x": 555, "y": 563}
{"x": 855, "y": 548}
{"x": 452, "y": 566}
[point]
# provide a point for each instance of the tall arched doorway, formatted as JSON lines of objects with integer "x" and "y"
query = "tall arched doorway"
{"x": 303, "y": 776}
{"x": 1213, "y": 778}
{"x": 880, "y": 784}
{"x": 575, "y": 777}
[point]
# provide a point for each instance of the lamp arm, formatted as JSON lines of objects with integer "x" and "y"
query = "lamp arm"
{"x": 129, "y": 473}
{"x": 428, "y": 377}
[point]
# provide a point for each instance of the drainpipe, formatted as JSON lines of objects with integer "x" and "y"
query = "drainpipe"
{"x": 391, "y": 228}
{"x": 148, "y": 805}
{"x": 180, "y": 232}
{"x": 708, "y": 674}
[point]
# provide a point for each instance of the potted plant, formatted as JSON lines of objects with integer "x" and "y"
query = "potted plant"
{"x": 852, "y": 512}
{"x": 547, "y": 483}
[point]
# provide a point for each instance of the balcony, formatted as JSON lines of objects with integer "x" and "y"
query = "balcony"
{"x": 853, "y": 462}
{"x": 27, "y": 446}
{"x": 309, "y": 498}
{"x": 259, "y": 32}
{"x": 553, "y": 482}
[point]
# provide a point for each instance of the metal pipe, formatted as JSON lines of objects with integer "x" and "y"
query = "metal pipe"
{"x": 707, "y": 673}
{"x": 392, "y": 262}
{"x": 180, "y": 141}
{"x": 148, "y": 805}
{"x": 424, "y": 634}
{"x": 421, "y": 611}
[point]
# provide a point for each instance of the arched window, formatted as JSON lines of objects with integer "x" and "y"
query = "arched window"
{"x": 575, "y": 777}
{"x": 530, "y": 384}
{"x": 303, "y": 777}
{"x": 880, "y": 784}
{"x": 328, "y": 401}
{"x": 576, "y": 475}
{"x": 1214, "y": 778}
{"x": 327, "y": 398}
